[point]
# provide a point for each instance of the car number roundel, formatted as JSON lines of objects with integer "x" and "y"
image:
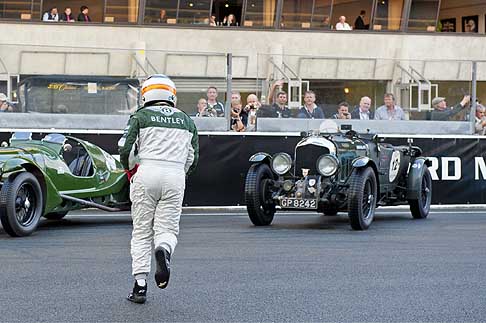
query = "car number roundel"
{"x": 394, "y": 166}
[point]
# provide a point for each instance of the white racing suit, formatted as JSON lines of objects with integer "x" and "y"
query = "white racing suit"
{"x": 167, "y": 143}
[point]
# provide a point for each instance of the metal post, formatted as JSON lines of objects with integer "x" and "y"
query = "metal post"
{"x": 229, "y": 67}
{"x": 472, "y": 114}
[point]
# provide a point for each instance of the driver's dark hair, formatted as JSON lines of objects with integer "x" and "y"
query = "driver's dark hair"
{"x": 389, "y": 95}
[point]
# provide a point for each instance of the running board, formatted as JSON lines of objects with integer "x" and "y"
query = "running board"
{"x": 93, "y": 204}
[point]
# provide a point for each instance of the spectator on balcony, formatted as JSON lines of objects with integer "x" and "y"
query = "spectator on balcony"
{"x": 359, "y": 23}
{"x": 443, "y": 113}
{"x": 83, "y": 15}
{"x": 239, "y": 118}
{"x": 342, "y": 24}
{"x": 51, "y": 15}
{"x": 67, "y": 15}
{"x": 310, "y": 110}
{"x": 5, "y": 106}
{"x": 342, "y": 111}
{"x": 202, "y": 110}
{"x": 213, "y": 103}
{"x": 235, "y": 95}
{"x": 363, "y": 112}
{"x": 389, "y": 111}
{"x": 278, "y": 108}
{"x": 212, "y": 21}
{"x": 326, "y": 22}
{"x": 480, "y": 119}
{"x": 230, "y": 20}
{"x": 162, "y": 16}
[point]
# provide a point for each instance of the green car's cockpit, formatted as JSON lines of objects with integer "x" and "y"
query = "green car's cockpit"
{"x": 71, "y": 150}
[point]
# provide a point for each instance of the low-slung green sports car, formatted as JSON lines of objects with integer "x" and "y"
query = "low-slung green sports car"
{"x": 55, "y": 175}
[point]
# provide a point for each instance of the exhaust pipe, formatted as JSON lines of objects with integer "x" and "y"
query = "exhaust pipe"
{"x": 93, "y": 204}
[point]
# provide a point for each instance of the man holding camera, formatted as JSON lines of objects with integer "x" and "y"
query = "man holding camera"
{"x": 342, "y": 112}
{"x": 279, "y": 108}
{"x": 239, "y": 117}
{"x": 443, "y": 113}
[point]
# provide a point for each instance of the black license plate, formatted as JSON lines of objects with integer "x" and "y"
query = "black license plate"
{"x": 292, "y": 203}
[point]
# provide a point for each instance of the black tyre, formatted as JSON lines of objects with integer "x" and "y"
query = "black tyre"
{"x": 258, "y": 199}
{"x": 21, "y": 205}
{"x": 420, "y": 208}
{"x": 362, "y": 197}
{"x": 55, "y": 215}
{"x": 329, "y": 210}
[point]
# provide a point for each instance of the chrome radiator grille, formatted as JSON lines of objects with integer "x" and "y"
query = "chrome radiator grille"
{"x": 306, "y": 157}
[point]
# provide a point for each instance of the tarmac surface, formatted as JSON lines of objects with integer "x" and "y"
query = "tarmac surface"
{"x": 304, "y": 267}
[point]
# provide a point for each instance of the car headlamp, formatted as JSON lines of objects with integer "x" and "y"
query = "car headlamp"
{"x": 327, "y": 165}
{"x": 281, "y": 163}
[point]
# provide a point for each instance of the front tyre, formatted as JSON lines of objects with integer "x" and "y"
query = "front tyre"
{"x": 362, "y": 197}
{"x": 420, "y": 207}
{"x": 258, "y": 197}
{"x": 21, "y": 205}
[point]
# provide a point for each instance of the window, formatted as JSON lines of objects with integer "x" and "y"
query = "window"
{"x": 260, "y": 13}
{"x": 296, "y": 14}
{"x": 194, "y": 12}
{"x": 227, "y": 13}
{"x": 321, "y": 15}
{"x": 160, "y": 12}
{"x": 357, "y": 13}
{"x": 423, "y": 15}
{"x": 121, "y": 11}
{"x": 20, "y": 9}
{"x": 388, "y": 15}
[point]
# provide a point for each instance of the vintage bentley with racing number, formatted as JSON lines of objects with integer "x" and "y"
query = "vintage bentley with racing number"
{"x": 54, "y": 175}
{"x": 333, "y": 171}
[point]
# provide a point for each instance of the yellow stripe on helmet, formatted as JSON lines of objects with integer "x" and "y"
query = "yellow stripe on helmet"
{"x": 159, "y": 87}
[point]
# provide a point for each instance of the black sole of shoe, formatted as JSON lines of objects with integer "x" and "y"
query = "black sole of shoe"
{"x": 136, "y": 299}
{"x": 162, "y": 273}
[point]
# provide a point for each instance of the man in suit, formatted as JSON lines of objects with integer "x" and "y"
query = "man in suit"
{"x": 83, "y": 15}
{"x": 359, "y": 22}
{"x": 362, "y": 112}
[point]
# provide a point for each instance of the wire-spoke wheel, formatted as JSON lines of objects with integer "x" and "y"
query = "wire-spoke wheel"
{"x": 362, "y": 198}
{"x": 21, "y": 205}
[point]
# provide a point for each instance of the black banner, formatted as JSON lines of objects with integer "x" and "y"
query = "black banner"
{"x": 458, "y": 170}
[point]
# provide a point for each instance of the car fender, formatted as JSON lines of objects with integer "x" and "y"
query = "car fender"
{"x": 260, "y": 157}
{"x": 415, "y": 177}
{"x": 364, "y": 161}
{"x": 15, "y": 166}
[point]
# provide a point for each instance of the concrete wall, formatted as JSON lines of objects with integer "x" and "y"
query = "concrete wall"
{"x": 107, "y": 50}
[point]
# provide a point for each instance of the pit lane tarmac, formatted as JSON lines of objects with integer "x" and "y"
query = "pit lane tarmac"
{"x": 304, "y": 267}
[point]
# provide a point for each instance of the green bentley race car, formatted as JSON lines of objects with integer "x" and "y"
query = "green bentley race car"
{"x": 55, "y": 175}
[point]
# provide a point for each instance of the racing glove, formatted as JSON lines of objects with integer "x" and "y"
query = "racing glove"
{"x": 131, "y": 172}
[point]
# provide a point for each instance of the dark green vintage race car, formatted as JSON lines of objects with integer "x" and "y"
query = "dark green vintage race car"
{"x": 55, "y": 175}
{"x": 335, "y": 171}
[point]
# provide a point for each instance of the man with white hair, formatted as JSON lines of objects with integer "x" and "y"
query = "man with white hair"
{"x": 342, "y": 24}
{"x": 363, "y": 112}
{"x": 480, "y": 120}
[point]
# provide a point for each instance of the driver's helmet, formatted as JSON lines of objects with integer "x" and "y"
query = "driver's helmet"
{"x": 159, "y": 88}
{"x": 328, "y": 126}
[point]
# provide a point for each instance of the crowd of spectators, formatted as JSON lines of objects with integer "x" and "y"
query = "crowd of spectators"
{"x": 244, "y": 118}
{"x": 52, "y": 15}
